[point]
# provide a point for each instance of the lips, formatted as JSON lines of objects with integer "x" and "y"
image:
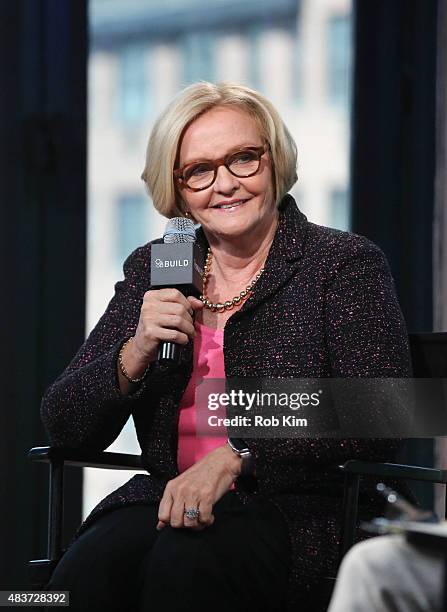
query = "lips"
{"x": 228, "y": 205}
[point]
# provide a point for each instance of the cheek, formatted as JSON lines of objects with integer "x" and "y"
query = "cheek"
{"x": 195, "y": 201}
{"x": 265, "y": 183}
{"x": 266, "y": 188}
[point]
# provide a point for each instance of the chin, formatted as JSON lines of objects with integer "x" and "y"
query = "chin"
{"x": 237, "y": 231}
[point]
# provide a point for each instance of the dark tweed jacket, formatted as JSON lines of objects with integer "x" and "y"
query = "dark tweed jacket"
{"x": 324, "y": 307}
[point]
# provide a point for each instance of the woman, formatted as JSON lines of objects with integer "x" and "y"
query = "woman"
{"x": 303, "y": 301}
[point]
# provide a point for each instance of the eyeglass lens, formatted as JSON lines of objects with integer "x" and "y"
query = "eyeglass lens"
{"x": 241, "y": 164}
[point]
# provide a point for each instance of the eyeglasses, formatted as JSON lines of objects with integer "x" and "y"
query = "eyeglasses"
{"x": 202, "y": 174}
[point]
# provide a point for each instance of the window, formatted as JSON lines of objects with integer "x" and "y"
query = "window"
{"x": 198, "y": 57}
{"x": 132, "y": 226}
{"x": 297, "y": 77}
{"x": 339, "y": 209}
{"x": 339, "y": 60}
{"x": 254, "y": 62}
{"x": 133, "y": 102}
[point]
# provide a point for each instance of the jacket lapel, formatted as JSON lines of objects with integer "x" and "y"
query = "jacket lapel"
{"x": 284, "y": 256}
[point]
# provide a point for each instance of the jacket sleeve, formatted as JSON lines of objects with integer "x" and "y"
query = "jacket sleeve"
{"x": 366, "y": 337}
{"x": 84, "y": 406}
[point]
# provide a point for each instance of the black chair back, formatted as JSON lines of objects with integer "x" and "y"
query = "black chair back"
{"x": 429, "y": 355}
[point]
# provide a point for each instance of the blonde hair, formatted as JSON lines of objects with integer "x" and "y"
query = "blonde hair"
{"x": 188, "y": 105}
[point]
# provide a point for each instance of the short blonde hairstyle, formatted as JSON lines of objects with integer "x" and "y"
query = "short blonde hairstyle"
{"x": 188, "y": 105}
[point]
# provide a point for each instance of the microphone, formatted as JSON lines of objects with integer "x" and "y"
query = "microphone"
{"x": 178, "y": 263}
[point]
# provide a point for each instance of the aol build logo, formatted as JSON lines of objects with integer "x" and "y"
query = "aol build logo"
{"x": 171, "y": 263}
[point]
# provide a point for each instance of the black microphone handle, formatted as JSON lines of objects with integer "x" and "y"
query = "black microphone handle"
{"x": 168, "y": 354}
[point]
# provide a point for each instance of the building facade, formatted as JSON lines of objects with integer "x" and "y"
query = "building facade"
{"x": 142, "y": 52}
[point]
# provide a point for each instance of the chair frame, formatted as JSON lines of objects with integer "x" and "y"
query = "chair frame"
{"x": 58, "y": 458}
{"x": 353, "y": 470}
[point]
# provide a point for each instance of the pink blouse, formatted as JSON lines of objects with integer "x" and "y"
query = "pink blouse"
{"x": 208, "y": 363}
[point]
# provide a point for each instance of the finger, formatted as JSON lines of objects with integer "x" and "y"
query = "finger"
{"x": 172, "y": 308}
{"x": 174, "y": 321}
{"x": 206, "y": 514}
{"x": 178, "y": 513}
{"x": 153, "y": 301}
{"x": 200, "y": 526}
{"x": 163, "y": 334}
{"x": 164, "y": 509}
{"x": 195, "y": 302}
{"x": 192, "y": 504}
{"x": 172, "y": 295}
{"x": 160, "y": 525}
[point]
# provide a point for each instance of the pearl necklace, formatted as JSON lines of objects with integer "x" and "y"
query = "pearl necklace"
{"x": 229, "y": 304}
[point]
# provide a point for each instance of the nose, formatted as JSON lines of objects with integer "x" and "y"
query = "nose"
{"x": 225, "y": 181}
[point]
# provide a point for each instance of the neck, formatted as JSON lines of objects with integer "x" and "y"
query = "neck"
{"x": 234, "y": 264}
{"x": 246, "y": 255}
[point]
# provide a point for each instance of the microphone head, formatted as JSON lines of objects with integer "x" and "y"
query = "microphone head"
{"x": 179, "y": 229}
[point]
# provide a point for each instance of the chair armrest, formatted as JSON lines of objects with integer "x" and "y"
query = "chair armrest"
{"x": 57, "y": 458}
{"x": 394, "y": 470}
{"x": 354, "y": 469}
{"x": 85, "y": 458}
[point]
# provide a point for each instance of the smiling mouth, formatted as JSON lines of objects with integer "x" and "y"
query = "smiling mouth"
{"x": 234, "y": 204}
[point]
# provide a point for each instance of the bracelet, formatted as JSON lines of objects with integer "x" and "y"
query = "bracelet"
{"x": 123, "y": 369}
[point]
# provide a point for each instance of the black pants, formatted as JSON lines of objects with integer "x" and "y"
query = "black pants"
{"x": 122, "y": 563}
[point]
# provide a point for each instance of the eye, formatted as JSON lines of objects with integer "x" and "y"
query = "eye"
{"x": 197, "y": 170}
{"x": 243, "y": 157}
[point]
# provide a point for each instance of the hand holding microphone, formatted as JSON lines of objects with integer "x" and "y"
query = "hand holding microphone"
{"x": 166, "y": 316}
{"x": 177, "y": 263}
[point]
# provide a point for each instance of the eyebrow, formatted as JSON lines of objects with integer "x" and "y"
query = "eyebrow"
{"x": 234, "y": 149}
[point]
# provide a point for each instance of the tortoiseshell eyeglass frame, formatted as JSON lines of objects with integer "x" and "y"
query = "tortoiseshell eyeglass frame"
{"x": 223, "y": 161}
